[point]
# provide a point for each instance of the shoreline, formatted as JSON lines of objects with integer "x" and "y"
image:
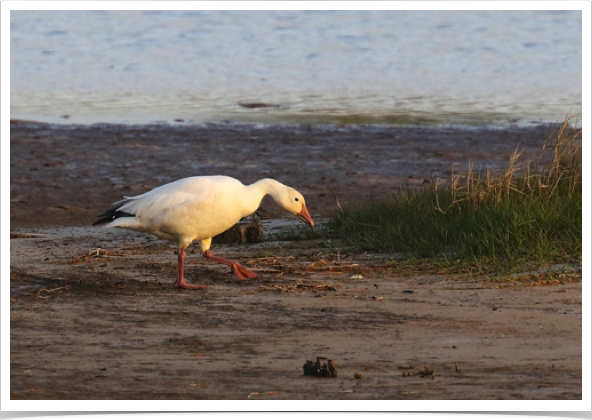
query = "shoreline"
{"x": 469, "y": 121}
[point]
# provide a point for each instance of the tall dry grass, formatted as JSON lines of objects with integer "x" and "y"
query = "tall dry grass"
{"x": 528, "y": 213}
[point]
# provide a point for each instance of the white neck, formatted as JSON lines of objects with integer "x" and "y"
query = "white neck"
{"x": 280, "y": 193}
{"x": 266, "y": 186}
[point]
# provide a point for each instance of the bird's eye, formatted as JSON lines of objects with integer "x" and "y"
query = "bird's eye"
{"x": 296, "y": 199}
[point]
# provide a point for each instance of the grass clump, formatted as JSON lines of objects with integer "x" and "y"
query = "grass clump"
{"x": 528, "y": 214}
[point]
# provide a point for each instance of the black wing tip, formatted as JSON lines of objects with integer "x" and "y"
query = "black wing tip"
{"x": 103, "y": 220}
{"x": 111, "y": 215}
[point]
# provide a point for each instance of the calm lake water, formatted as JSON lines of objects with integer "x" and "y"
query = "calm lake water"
{"x": 409, "y": 67}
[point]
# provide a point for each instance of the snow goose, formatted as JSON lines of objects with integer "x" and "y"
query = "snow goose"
{"x": 198, "y": 208}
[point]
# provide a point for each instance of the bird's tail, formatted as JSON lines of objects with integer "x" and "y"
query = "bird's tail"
{"x": 110, "y": 215}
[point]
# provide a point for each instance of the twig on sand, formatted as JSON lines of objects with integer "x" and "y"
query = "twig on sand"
{"x": 52, "y": 290}
{"x": 300, "y": 286}
{"x": 14, "y": 235}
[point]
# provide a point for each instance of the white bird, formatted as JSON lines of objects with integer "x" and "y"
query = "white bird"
{"x": 198, "y": 208}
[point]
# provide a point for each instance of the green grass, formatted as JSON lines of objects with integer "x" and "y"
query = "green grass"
{"x": 527, "y": 215}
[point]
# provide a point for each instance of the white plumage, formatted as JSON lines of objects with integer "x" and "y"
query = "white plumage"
{"x": 198, "y": 208}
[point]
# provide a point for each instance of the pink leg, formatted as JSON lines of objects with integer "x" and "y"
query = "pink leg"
{"x": 237, "y": 269}
{"x": 180, "y": 278}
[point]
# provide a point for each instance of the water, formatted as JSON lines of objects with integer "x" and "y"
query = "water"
{"x": 471, "y": 67}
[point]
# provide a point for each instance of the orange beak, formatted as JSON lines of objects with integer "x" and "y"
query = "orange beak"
{"x": 305, "y": 216}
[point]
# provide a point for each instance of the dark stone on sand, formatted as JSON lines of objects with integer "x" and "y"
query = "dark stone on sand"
{"x": 320, "y": 370}
{"x": 259, "y": 105}
{"x": 241, "y": 233}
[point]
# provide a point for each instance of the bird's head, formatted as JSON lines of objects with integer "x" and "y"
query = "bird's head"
{"x": 293, "y": 201}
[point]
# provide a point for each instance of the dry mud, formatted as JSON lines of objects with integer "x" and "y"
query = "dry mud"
{"x": 95, "y": 313}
